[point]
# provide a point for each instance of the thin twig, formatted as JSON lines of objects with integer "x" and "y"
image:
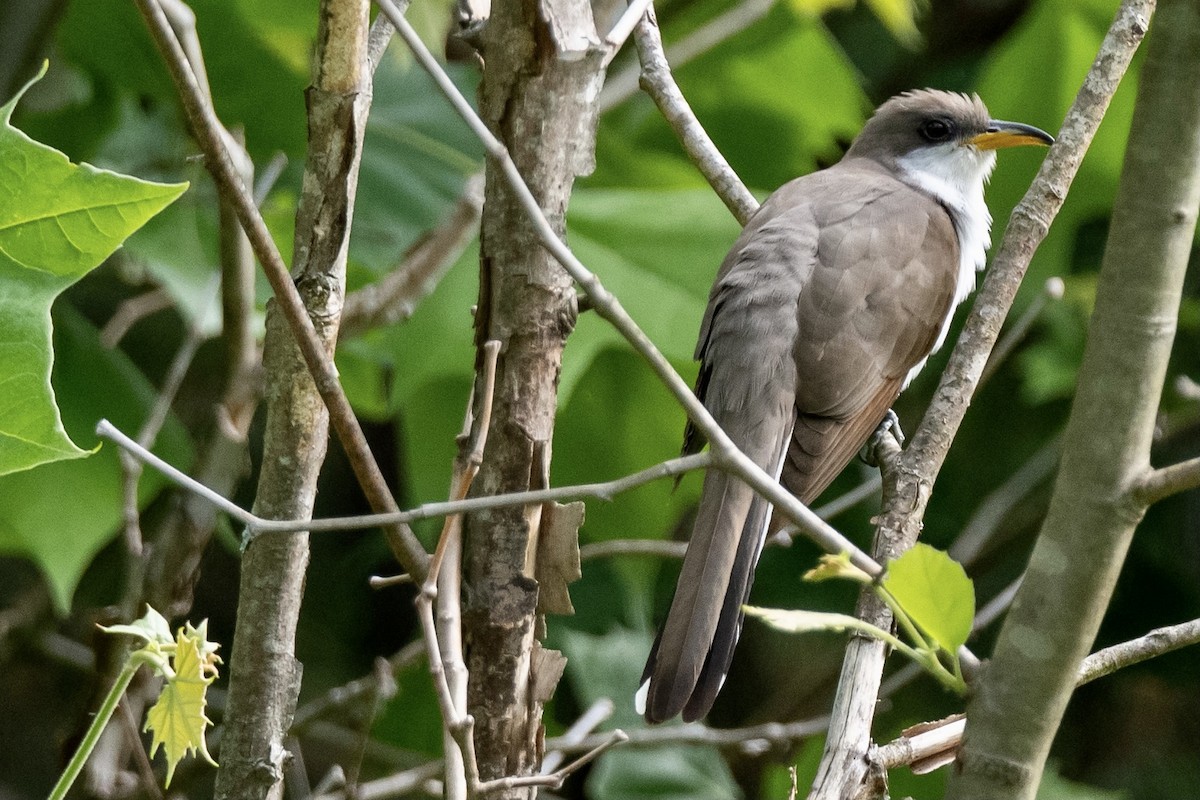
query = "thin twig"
{"x": 596, "y": 715}
{"x": 623, "y": 84}
{"x": 1161, "y": 483}
{"x": 624, "y": 27}
{"x": 752, "y": 739}
{"x": 219, "y": 162}
{"x": 359, "y": 689}
{"x": 554, "y": 780}
{"x": 984, "y": 523}
{"x": 131, "y": 311}
{"x": 724, "y": 453}
{"x": 660, "y": 85}
{"x": 605, "y": 490}
{"x": 661, "y": 548}
{"x": 444, "y": 584}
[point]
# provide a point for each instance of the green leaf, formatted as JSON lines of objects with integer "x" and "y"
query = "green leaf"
{"x": 58, "y": 221}
{"x": 935, "y": 592}
{"x": 35, "y": 520}
{"x": 801, "y": 621}
{"x": 177, "y": 721}
{"x": 839, "y": 566}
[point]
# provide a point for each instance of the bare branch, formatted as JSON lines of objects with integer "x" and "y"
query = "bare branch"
{"x": 220, "y": 163}
{"x": 355, "y": 691}
{"x": 605, "y": 491}
{"x": 622, "y": 85}
{"x": 660, "y": 85}
{"x": 131, "y": 311}
{"x": 661, "y": 548}
{"x": 624, "y": 27}
{"x": 1161, "y": 483}
{"x": 1155, "y": 643}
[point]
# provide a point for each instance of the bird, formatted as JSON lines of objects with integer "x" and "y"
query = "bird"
{"x": 835, "y": 294}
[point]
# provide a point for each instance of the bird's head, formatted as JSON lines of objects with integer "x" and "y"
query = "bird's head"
{"x": 945, "y": 135}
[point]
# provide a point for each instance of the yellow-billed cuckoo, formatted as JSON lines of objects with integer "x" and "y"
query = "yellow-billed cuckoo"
{"x": 836, "y": 293}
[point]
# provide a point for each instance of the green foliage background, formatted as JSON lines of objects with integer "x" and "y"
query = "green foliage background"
{"x": 781, "y": 98}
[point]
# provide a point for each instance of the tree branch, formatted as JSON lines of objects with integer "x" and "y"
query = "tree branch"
{"x": 1161, "y": 483}
{"x": 658, "y": 82}
{"x": 219, "y": 162}
{"x": 1094, "y": 510}
{"x": 604, "y": 490}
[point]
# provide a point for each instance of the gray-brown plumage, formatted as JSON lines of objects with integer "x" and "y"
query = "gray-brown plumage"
{"x": 834, "y": 295}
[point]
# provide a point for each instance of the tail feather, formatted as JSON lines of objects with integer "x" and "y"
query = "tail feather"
{"x": 691, "y": 656}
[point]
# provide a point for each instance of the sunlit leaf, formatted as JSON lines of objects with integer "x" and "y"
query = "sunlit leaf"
{"x": 58, "y": 221}
{"x": 839, "y": 566}
{"x": 802, "y": 621}
{"x": 934, "y": 590}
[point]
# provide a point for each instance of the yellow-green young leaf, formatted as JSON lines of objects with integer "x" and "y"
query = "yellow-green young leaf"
{"x": 58, "y": 221}
{"x": 935, "y": 592}
{"x": 177, "y": 720}
{"x": 151, "y": 628}
{"x": 839, "y": 566}
{"x": 801, "y": 621}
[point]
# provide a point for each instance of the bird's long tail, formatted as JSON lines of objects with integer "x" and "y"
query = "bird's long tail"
{"x": 694, "y": 649}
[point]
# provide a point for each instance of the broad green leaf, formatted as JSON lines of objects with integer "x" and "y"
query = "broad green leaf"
{"x": 934, "y": 590}
{"x": 177, "y": 720}
{"x": 58, "y": 221}
{"x": 33, "y": 522}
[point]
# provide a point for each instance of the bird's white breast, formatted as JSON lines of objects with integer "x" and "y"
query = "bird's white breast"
{"x": 955, "y": 175}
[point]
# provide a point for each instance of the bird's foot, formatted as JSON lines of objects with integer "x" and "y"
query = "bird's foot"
{"x": 890, "y": 425}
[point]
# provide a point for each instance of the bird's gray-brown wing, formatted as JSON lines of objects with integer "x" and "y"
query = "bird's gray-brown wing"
{"x": 747, "y": 381}
{"x": 883, "y": 284}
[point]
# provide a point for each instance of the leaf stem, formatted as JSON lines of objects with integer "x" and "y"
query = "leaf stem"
{"x": 92, "y": 737}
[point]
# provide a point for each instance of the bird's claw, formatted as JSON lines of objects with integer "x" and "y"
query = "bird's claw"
{"x": 890, "y": 424}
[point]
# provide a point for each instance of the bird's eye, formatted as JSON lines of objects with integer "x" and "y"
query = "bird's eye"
{"x": 937, "y": 130}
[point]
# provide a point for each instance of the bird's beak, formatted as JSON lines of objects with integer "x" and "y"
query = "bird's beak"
{"x": 1009, "y": 134}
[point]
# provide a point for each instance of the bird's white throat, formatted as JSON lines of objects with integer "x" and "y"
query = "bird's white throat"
{"x": 955, "y": 174}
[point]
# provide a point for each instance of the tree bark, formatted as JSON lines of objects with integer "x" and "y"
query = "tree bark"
{"x": 1021, "y": 697}
{"x": 542, "y": 76}
{"x": 264, "y": 673}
